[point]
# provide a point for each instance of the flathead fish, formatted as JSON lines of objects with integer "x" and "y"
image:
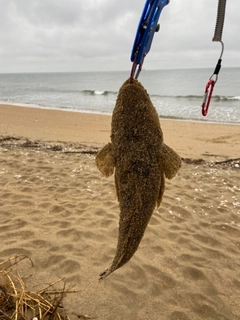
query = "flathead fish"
{"x": 141, "y": 161}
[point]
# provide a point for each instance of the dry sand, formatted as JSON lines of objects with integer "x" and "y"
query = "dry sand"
{"x": 58, "y": 209}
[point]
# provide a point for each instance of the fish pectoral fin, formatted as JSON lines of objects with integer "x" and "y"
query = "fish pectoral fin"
{"x": 104, "y": 160}
{"x": 171, "y": 161}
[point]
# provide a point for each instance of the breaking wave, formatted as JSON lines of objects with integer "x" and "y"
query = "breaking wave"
{"x": 98, "y": 92}
{"x": 187, "y": 97}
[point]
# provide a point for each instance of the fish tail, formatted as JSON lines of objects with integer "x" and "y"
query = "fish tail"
{"x": 104, "y": 274}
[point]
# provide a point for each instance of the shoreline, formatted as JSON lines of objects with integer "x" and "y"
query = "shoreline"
{"x": 22, "y": 105}
{"x": 189, "y": 139}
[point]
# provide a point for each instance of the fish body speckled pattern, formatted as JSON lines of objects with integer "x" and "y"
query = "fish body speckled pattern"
{"x": 141, "y": 161}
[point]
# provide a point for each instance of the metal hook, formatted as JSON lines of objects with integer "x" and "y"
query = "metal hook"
{"x": 218, "y": 65}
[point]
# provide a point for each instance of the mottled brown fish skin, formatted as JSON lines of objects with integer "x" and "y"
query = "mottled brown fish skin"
{"x": 136, "y": 152}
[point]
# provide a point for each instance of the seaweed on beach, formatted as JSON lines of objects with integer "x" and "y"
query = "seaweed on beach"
{"x": 18, "y": 303}
{"x": 9, "y": 142}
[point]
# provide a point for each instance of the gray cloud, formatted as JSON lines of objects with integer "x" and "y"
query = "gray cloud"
{"x": 77, "y": 35}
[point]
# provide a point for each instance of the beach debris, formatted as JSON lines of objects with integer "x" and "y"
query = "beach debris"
{"x": 84, "y": 316}
{"x": 10, "y": 142}
{"x": 141, "y": 161}
{"x": 228, "y": 160}
{"x": 18, "y": 303}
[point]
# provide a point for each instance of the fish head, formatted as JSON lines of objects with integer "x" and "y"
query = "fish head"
{"x": 132, "y": 94}
{"x": 134, "y": 116}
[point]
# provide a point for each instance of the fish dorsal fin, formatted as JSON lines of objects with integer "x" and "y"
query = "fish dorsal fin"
{"x": 104, "y": 160}
{"x": 171, "y": 161}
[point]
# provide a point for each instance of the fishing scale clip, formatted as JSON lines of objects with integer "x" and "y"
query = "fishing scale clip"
{"x": 148, "y": 25}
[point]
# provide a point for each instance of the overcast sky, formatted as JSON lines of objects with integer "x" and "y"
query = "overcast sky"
{"x": 97, "y": 35}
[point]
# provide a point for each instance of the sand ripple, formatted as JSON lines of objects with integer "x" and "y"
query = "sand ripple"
{"x": 57, "y": 208}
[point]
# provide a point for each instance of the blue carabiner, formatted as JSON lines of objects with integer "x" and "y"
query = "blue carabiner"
{"x": 148, "y": 25}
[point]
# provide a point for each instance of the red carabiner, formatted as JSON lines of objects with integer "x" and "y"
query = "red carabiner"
{"x": 207, "y": 96}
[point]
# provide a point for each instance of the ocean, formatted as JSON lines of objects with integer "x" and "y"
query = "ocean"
{"x": 176, "y": 94}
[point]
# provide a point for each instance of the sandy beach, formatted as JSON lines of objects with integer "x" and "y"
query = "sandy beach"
{"x": 59, "y": 210}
